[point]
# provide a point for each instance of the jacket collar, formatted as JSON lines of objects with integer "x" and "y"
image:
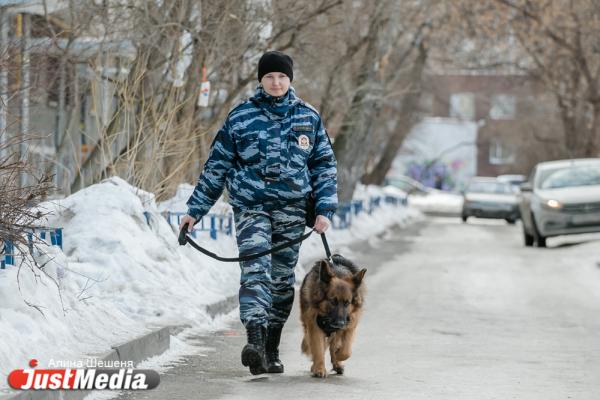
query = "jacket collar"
{"x": 275, "y": 107}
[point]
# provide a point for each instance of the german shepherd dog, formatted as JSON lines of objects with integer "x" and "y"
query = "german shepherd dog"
{"x": 331, "y": 299}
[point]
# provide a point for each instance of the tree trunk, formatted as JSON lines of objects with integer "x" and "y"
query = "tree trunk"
{"x": 352, "y": 145}
{"x": 25, "y": 87}
{"x": 593, "y": 144}
{"x": 4, "y": 63}
{"x": 407, "y": 119}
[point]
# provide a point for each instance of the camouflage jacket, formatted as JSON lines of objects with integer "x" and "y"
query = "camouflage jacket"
{"x": 269, "y": 152}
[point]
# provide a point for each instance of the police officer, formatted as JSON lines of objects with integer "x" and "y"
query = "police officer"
{"x": 271, "y": 152}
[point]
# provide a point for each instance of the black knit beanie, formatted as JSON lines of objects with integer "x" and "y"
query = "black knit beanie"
{"x": 275, "y": 61}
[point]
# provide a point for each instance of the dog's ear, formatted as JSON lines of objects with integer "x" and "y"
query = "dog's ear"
{"x": 358, "y": 277}
{"x": 325, "y": 272}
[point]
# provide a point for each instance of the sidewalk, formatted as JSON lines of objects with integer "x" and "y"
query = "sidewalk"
{"x": 121, "y": 275}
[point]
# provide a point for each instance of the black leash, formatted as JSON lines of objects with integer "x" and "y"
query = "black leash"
{"x": 185, "y": 238}
{"x": 326, "y": 245}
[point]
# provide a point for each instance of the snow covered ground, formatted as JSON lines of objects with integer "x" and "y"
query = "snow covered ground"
{"x": 118, "y": 277}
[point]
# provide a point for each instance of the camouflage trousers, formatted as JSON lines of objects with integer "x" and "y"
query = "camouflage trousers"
{"x": 267, "y": 283}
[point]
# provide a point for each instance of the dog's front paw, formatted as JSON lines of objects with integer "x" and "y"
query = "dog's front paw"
{"x": 339, "y": 369}
{"x": 318, "y": 371}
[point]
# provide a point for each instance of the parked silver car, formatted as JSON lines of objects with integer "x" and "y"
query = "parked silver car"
{"x": 490, "y": 198}
{"x": 561, "y": 198}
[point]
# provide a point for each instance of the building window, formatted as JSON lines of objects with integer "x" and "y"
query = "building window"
{"x": 503, "y": 106}
{"x": 500, "y": 153}
{"x": 462, "y": 106}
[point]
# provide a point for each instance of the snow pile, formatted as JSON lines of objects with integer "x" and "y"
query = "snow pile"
{"x": 120, "y": 276}
{"x": 437, "y": 202}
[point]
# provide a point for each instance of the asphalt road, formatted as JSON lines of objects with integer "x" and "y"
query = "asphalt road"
{"x": 453, "y": 311}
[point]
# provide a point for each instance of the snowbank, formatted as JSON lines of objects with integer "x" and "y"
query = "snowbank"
{"x": 437, "y": 202}
{"x": 117, "y": 276}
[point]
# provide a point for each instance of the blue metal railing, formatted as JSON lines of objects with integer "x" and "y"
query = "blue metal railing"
{"x": 212, "y": 223}
{"x": 341, "y": 220}
{"x": 374, "y": 203}
{"x": 7, "y": 253}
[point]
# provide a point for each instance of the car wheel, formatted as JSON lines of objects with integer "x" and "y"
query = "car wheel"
{"x": 464, "y": 218}
{"x": 539, "y": 239}
{"x": 527, "y": 238}
{"x": 511, "y": 221}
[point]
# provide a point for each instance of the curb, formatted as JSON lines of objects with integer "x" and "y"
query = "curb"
{"x": 223, "y": 306}
{"x": 141, "y": 348}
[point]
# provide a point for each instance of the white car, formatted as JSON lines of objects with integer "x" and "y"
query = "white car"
{"x": 514, "y": 180}
{"x": 561, "y": 198}
{"x": 490, "y": 198}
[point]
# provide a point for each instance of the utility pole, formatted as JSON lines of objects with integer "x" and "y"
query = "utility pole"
{"x": 24, "y": 31}
{"x": 4, "y": 22}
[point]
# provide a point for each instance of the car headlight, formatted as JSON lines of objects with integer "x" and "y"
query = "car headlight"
{"x": 553, "y": 204}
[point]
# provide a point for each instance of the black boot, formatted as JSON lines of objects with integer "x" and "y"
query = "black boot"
{"x": 274, "y": 364}
{"x": 253, "y": 354}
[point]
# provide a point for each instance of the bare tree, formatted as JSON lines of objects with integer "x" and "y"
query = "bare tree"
{"x": 157, "y": 132}
{"x": 17, "y": 213}
{"x": 406, "y": 116}
{"x": 555, "y": 43}
{"x": 394, "y": 34}
{"x": 143, "y": 70}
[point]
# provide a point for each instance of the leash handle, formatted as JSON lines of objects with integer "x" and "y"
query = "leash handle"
{"x": 326, "y": 245}
{"x": 182, "y": 240}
